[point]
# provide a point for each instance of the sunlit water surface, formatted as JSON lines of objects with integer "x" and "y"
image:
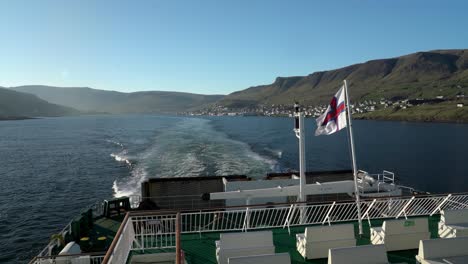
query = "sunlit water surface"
{"x": 52, "y": 168}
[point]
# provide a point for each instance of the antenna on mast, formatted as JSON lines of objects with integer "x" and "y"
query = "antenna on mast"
{"x": 296, "y": 117}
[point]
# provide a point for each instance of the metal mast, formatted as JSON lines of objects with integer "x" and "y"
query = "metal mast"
{"x": 353, "y": 157}
{"x": 299, "y": 129}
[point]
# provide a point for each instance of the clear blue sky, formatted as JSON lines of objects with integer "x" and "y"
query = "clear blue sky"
{"x": 212, "y": 47}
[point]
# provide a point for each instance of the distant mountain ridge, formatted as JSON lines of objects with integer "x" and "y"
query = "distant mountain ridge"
{"x": 417, "y": 75}
{"x": 18, "y": 104}
{"x": 88, "y": 99}
{"x": 421, "y": 74}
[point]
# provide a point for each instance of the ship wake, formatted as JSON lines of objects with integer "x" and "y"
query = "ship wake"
{"x": 189, "y": 148}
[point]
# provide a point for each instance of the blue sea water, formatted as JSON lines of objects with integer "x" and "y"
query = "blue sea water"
{"x": 51, "y": 168}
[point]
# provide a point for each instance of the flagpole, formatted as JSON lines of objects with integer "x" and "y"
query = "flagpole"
{"x": 353, "y": 157}
{"x": 299, "y": 128}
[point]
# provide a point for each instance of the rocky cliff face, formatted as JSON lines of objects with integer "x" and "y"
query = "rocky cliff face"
{"x": 422, "y": 74}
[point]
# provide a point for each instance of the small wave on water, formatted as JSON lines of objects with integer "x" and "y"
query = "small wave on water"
{"x": 191, "y": 147}
{"x": 115, "y": 142}
{"x": 271, "y": 162}
{"x": 121, "y": 158}
{"x": 276, "y": 152}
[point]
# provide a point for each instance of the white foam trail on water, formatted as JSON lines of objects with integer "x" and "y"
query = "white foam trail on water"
{"x": 119, "y": 193}
{"x": 121, "y": 158}
{"x": 189, "y": 148}
{"x": 132, "y": 185}
{"x": 237, "y": 157}
{"x": 138, "y": 175}
{"x": 190, "y": 163}
{"x": 278, "y": 153}
{"x": 115, "y": 142}
{"x": 254, "y": 155}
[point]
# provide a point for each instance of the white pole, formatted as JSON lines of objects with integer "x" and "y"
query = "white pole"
{"x": 299, "y": 129}
{"x": 353, "y": 157}
{"x": 302, "y": 162}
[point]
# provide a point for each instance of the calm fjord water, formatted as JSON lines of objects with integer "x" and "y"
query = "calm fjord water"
{"x": 52, "y": 168}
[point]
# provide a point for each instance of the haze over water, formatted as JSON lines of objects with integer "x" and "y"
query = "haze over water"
{"x": 52, "y": 168}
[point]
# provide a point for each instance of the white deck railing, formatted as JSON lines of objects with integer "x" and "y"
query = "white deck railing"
{"x": 154, "y": 232}
{"x": 281, "y": 216}
{"x": 97, "y": 210}
{"x": 122, "y": 244}
{"x": 150, "y": 230}
{"x": 179, "y": 202}
{"x": 261, "y": 217}
{"x": 69, "y": 259}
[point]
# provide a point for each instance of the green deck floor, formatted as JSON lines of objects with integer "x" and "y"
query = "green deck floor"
{"x": 102, "y": 227}
{"x": 200, "y": 249}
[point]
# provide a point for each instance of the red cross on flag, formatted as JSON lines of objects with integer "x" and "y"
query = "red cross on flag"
{"x": 334, "y": 117}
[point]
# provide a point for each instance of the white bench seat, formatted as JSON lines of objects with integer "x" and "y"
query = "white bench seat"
{"x": 453, "y": 223}
{"x": 279, "y": 258}
{"x": 244, "y": 244}
{"x": 401, "y": 234}
{"x": 449, "y": 250}
{"x": 315, "y": 242}
{"x": 370, "y": 254}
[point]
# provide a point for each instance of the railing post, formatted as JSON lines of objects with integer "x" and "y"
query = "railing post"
{"x": 178, "y": 249}
{"x": 137, "y": 229}
{"x": 246, "y": 220}
{"x": 288, "y": 216}
{"x": 403, "y": 211}
{"x": 143, "y": 229}
{"x": 440, "y": 205}
{"x": 215, "y": 220}
{"x": 389, "y": 207}
{"x": 327, "y": 217}
{"x": 199, "y": 223}
{"x": 368, "y": 210}
{"x": 286, "y": 222}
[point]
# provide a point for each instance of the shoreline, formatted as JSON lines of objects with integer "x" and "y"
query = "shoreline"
{"x": 357, "y": 117}
{"x": 15, "y": 118}
{"x": 412, "y": 120}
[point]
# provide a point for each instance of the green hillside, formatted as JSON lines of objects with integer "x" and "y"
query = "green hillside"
{"x": 418, "y": 75}
{"x": 15, "y": 104}
{"x": 442, "y": 112}
{"x": 87, "y": 99}
{"x": 421, "y": 75}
